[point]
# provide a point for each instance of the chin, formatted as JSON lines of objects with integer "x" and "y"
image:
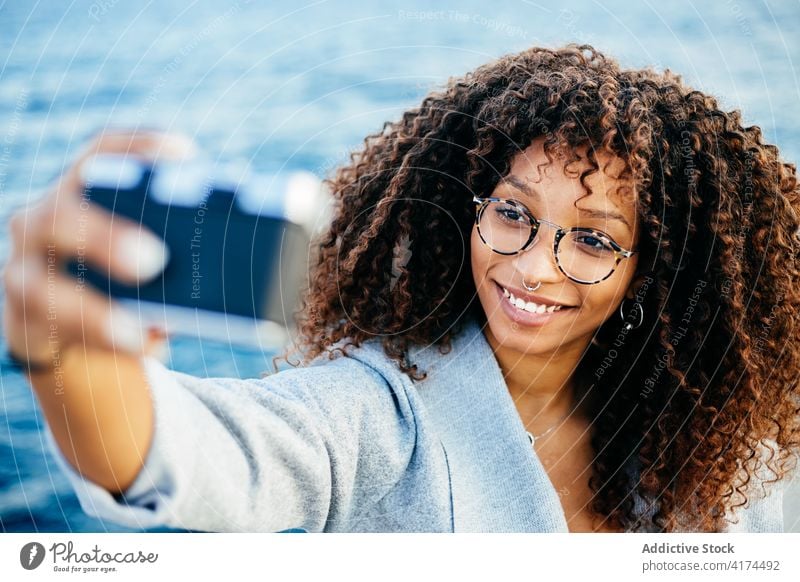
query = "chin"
{"x": 512, "y": 336}
{"x": 537, "y": 339}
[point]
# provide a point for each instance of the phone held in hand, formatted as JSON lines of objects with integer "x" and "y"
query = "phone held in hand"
{"x": 238, "y": 244}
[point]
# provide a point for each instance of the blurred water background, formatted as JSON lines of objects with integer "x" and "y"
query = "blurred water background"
{"x": 297, "y": 85}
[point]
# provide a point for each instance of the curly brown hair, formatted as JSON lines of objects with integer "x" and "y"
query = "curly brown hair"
{"x": 714, "y": 376}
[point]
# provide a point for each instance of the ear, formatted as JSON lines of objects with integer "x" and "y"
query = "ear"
{"x": 639, "y": 280}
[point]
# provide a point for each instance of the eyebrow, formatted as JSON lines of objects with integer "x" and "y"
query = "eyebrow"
{"x": 523, "y": 187}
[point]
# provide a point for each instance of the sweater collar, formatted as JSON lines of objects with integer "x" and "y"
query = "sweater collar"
{"x": 498, "y": 483}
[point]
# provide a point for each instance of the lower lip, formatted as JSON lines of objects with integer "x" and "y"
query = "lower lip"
{"x": 523, "y": 317}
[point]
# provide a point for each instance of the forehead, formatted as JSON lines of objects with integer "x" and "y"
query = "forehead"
{"x": 559, "y": 180}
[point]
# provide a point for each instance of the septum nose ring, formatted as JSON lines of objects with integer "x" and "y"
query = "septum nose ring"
{"x": 524, "y": 284}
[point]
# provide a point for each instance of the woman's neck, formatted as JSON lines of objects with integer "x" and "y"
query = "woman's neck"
{"x": 541, "y": 385}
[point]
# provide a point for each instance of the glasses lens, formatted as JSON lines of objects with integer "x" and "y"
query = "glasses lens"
{"x": 586, "y": 256}
{"x": 504, "y": 227}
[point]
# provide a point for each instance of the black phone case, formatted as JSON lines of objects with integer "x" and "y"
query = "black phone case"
{"x": 221, "y": 258}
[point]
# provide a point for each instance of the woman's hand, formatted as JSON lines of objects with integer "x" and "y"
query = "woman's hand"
{"x": 82, "y": 352}
{"x": 46, "y": 310}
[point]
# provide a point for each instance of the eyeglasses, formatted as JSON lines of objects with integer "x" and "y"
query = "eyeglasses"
{"x": 585, "y": 255}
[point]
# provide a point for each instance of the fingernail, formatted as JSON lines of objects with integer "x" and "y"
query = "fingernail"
{"x": 124, "y": 332}
{"x": 143, "y": 255}
{"x": 176, "y": 146}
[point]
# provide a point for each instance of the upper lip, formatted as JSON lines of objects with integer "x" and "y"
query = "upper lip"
{"x": 527, "y": 296}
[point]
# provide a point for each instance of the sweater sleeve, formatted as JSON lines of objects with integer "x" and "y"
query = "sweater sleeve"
{"x": 302, "y": 448}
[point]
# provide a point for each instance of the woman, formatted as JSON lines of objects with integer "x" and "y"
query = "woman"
{"x": 597, "y": 257}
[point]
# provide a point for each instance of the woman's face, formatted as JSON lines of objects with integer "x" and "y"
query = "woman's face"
{"x": 551, "y": 195}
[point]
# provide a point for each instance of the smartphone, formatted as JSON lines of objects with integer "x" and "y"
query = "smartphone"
{"x": 239, "y": 244}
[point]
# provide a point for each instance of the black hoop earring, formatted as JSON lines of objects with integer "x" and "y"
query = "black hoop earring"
{"x": 638, "y": 307}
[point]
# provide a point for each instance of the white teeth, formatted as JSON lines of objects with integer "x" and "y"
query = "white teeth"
{"x": 529, "y": 305}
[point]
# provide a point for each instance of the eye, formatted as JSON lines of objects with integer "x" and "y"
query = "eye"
{"x": 509, "y": 213}
{"x": 593, "y": 243}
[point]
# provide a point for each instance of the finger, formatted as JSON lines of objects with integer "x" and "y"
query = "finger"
{"x": 64, "y": 224}
{"x": 115, "y": 245}
{"x": 122, "y": 248}
{"x": 145, "y": 145}
{"x": 147, "y": 142}
{"x": 53, "y": 311}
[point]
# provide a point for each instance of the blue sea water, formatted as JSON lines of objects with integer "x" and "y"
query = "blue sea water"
{"x": 297, "y": 85}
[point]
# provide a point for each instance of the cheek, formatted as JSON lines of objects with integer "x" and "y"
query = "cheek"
{"x": 602, "y": 301}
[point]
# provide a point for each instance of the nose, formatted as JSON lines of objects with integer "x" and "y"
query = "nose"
{"x": 537, "y": 262}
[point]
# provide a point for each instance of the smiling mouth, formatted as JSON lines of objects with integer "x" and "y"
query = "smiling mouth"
{"x": 530, "y": 306}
